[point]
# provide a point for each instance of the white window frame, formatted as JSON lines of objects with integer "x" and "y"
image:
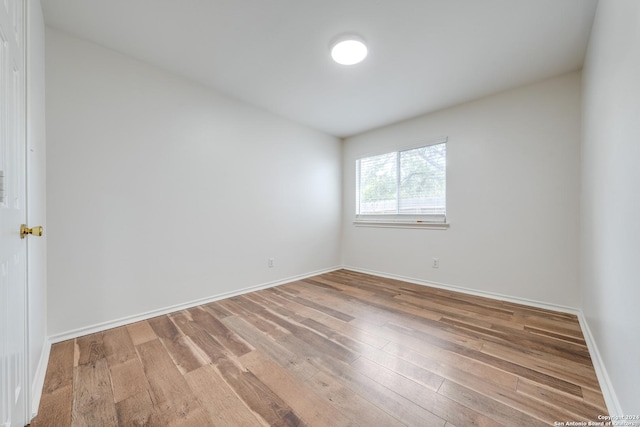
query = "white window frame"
{"x": 424, "y": 221}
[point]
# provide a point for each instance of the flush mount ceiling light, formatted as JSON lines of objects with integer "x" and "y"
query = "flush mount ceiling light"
{"x": 348, "y": 49}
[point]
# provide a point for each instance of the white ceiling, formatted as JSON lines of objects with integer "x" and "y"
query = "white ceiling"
{"x": 424, "y": 55}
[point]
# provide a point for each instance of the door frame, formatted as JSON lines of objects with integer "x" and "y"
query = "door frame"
{"x": 38, "y": 344}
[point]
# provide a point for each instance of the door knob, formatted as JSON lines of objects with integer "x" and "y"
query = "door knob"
{"x": 36, "y": 231}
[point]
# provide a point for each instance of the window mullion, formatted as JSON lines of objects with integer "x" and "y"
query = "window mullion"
{"x": 420, "y": 179}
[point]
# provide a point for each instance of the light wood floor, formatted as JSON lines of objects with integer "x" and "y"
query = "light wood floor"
{"x": 338, "y": 349}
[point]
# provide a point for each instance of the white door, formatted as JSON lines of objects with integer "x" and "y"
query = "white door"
{"x": 13, "y": 328}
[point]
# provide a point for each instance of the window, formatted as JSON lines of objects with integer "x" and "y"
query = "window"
{"x": 403, "y": 186}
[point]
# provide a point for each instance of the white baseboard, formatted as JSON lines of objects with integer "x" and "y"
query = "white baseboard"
{"x": 468, "y": 291}
{"x": 99, "y": 327}
{"x": 37, "y": 382}
{"x": 610, "y": 398}
{"x": 609, "y": 394}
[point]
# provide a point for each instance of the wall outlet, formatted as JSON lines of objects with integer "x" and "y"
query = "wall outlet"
{"x": 271, "y": 262}
{"x": 435, "y": 262}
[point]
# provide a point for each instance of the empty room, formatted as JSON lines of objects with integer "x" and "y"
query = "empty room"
{"x": 319, "y": 213}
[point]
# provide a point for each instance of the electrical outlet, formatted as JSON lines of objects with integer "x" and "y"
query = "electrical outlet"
{"x": 271, "y": 262}
{"x": 435, "y": 263}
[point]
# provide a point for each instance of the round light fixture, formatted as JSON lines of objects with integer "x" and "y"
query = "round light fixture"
{"x": 348, "y": 49}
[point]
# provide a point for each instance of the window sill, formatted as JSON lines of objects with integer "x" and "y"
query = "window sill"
{"x": 402, "y": 224}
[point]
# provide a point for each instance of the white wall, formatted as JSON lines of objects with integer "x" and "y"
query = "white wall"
{"x": 162, "y": 191}
{"x": 36, "y": 192}
{"x": 611, "y": 195}
{"x": 512, "y": 196}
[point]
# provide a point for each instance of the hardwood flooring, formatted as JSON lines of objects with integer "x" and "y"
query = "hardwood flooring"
{"x": 339, "y": 349}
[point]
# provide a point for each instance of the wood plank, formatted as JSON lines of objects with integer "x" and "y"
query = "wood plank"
{"x": 342, "y": 302}
{"x": 216, "y": 310}
{"x": 213, "y": 326}
{"x": 437, "y": 404}
{"x": 127, "y": 379}
{"x": 258, "y": 396}
{"x": 500, "y": 363}
{"x": 577, "y": 407}
{"x": 449, "y": 365}
{"x": 60, "y": 368}
{"x": 501, "y": 413}
{"x": 255, "y": 395}
{"x": 519, "y": 341}
{"x": 361, "y": 410}
{"x": 325, "y": 346}
{"x": 169, "y": 391}
{"x": 418, "y": 374}
{"x": 394, "y": 404}
{"x": 265, "y": 326}
{"x": 455, "y": 312}
{"x": 180, "y": 349}
{"x": 90, "y": 348}
{"x": 550, "y": 323}
{"x": 542, "y": 411}
{"x": 184, "y": 353}
{"x": 164, "y": 328}
{"x": 556, "y": 335}
{"x": 209, "y": 347}
{"x": 295, "y": 364}
{"x": 141, "y": 332}
{"x": 136, "y": 410}
{"x": 567, "y": 350}
{"x": 557, "y": 367}
{"x": 220, "y": 401}
{"x": 188, "y": 415}
{"x": 332, "y": 335}
{"x": 595, "y": 398}
{"x": 93, "y": 403}
{"x": 476, "y": 305}
{"x": 118, "y": 347}
{"x": 55, "y": 407}
{"x": 346, "y": 328}
{"x": 440, "y": 332}
{"x": 319, "y": 307}
{"x": 304, "y": 401}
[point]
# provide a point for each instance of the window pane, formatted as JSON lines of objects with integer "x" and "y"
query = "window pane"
{"x": 378, "y": 184}
{"x": 423, "y": 180}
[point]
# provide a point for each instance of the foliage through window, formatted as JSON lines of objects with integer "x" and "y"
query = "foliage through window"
{"x": 403, "y": 185}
